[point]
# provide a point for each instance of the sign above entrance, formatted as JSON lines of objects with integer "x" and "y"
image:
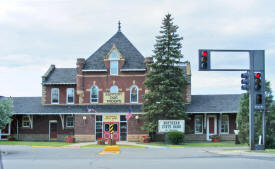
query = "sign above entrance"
{"x": 111, "y": 118}
{"x": 113, "y": 98}
{"x": 169, "y": 125}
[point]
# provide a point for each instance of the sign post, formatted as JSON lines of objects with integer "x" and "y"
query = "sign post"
{"x": 111, "y": 133}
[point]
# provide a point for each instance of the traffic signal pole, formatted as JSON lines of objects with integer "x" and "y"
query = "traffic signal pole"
{"x": 253, "y": 81}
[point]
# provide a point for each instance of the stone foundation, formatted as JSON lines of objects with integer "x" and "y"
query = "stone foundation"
{"x": 135, "y": 137}
{"x": 227, "y": 137}
{"x": 84, "y": 138}
{"x": 40, "y": 137}
{"x": 195, "y": 137}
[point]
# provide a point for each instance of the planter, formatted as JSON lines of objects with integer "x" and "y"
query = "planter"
{"x": 70, "y": 140}
{"x": 216, "y": 139}
{"x": 145, "y": 141}
{"x": 100, "y": 142}
{"x": 11, "y": 139}
{"x": 113, "y": 142}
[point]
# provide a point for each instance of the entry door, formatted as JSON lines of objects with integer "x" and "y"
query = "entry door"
{"x": 211, "y": 126}
{"x": 106, "y": 130}
{"x": 53, "y": 131}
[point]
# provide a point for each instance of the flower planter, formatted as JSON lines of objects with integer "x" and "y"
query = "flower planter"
{"x": 216, "y": 139}
{"x": 70, "y": 140}
{"x": 100, "y": 142}
{"x": 145, "y": 141}
{"x": 113, "y": 142}
{"x": 11, "y": 139}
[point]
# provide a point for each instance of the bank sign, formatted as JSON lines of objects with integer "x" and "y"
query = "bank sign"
{"x": 169, "y": 125}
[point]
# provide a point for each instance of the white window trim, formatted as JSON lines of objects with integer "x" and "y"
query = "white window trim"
{"x": 227, "y": 125}
{"x": 114, "y": 61}
{"x": 30, "y": 118}
{"x": 133, "y": 86}
{"x": 67, "y": 96}
{"x": 67, "y": 122}
{"x": 52, "y": 95}
{"x": 195, "y": 124}
{"x": 91, "y": 94}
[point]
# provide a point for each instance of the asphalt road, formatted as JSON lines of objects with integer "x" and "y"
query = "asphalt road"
{"x": 25, "y": 157}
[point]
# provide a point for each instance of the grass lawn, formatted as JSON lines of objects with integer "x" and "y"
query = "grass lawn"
{"x": 119, "y": 145}
{"x": 197, "y": 144}
{"x": 32, "y": 143}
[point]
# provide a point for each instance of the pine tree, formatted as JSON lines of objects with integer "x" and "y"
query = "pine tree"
{"x": 165, "y": 82}
{"x": 243, "y": 118}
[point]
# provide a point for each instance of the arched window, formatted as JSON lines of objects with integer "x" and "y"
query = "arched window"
{"x": 114, "y": 89}
{"x": 134, "y": 94}
{"x": 94, "y": 94}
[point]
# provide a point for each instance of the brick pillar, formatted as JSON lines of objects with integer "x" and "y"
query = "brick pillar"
{"x": 80, "y": 80}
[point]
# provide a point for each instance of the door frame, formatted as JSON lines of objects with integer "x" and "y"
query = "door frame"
{"x": 207, "y": 128}
{"x": 52, "y": 121}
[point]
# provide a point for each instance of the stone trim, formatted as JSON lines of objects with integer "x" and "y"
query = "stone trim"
{"x": 84, "y": 138}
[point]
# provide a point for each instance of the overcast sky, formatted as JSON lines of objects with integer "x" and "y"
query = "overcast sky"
{"x": 35, "y": 34}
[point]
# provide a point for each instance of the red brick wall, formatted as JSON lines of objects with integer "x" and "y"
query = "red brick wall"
{"x": 134, "y": 126}
{"x": 62, "y": 93}
{"x": 83, "y": 127}
{"x": 41, "y": 125}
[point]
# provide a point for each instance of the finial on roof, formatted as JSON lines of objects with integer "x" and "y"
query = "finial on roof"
{"x": 119, "y": 26}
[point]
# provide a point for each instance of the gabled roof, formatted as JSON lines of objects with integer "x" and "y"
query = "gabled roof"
{"x": 227, "y": 103}
{"x": 62, "y": 76}
{"x": 133, "y": 58}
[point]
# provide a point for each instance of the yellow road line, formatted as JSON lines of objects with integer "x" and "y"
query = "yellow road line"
{"x": 175, "y": 147}
{"x": 108, "y": 152}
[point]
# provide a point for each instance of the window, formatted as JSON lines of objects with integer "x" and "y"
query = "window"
{"x": 98, "y": 128}
{"x": 70, "y": 96}
{"x": 94, "y": 94}
{"x": 69, "y": 121}
{"x": 55, "y": 96}
{"x": 114, "y": 89}
{"x": 26, "y": 121}
{"x": 225, "y": 124}
{"x": 114, "y": 55}
{"x": 123, "y": 128}
{"x": 134, "y": 94}
{"x": 113, "y": 67}
{"x": 198, "y": 124}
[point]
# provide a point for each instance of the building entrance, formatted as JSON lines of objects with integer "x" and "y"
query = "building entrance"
{"x": 106, "y": 131}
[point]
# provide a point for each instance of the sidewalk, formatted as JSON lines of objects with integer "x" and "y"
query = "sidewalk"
{"x": 118, "y": 143}
{"x": 242, "y": 153}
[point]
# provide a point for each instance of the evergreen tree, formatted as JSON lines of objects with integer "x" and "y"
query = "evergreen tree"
{"x": 6, "y": 107}
{"x": 165, "y": 82}
{"x": 243, "y": 118}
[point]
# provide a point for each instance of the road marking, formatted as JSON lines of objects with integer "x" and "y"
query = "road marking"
{"x": 108, "y": 152}
{"x": 176, "y": 147}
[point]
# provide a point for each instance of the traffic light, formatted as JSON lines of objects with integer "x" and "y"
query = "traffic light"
{"x": 245, "y": 81}
{"x": 258, "y": 80}
{"x": 259, "y": 99}
{"x": 204, "y": 60}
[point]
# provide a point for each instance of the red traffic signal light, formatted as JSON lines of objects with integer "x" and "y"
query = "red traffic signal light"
{"x": 258, "y": 81}
{"x": 204, "y": 53}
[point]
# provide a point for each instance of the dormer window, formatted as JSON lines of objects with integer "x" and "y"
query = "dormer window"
{"x": 114, "y": 62}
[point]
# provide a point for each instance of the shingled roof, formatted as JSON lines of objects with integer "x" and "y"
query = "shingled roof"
{"x": 62, "y": 76}
{"x": 133, "y": 58}
{"x": 200, "y": 104}
{"x": 227, "y": 103}
{"x": 32, "y": 105}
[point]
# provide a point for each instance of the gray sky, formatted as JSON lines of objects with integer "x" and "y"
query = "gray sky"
{"x": 35, "y": 34}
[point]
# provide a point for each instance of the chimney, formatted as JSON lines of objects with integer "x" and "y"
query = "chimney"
{"x": 147, "y": 61}
{"x": 80, "y": 79}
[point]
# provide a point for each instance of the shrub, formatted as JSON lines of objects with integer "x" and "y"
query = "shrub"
{"x": 175, "y": 137}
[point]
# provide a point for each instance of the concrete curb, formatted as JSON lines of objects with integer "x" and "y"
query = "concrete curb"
{"x": 242, "y": 153}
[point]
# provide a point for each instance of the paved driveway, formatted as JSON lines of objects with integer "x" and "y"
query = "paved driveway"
{"x": 24, "y": 157}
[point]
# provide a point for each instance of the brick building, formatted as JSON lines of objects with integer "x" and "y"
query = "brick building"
{"x": 100, "y": 91}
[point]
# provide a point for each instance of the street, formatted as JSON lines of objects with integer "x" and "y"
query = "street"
{"x": 25, "y": 157}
